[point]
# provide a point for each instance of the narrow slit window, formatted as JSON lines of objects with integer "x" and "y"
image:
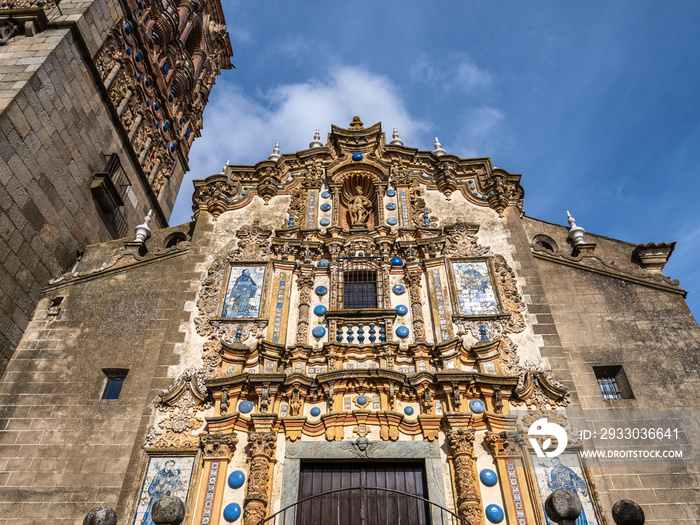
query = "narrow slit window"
{"x": 114, "y": 384}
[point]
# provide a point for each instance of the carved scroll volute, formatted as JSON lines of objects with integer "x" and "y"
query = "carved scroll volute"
{"x": 218, "y": 446}
{"x": 461, "y": 446}
{"x": 446, "y": 180}
{"x": 413, "y": 279}
{"x": 261, "y": 453}
{"x": 268, "y": 184}
{"x": 305, "y": 282}
{"x": 504, "y": 190}
{"x": 504, "y": 444}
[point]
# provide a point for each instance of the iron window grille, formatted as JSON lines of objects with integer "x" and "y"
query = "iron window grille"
{"x": 361, "y": 284}
{"x": 613, "y": 382}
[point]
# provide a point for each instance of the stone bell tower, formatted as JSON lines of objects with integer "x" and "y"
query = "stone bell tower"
{"x": 100, "y": 102}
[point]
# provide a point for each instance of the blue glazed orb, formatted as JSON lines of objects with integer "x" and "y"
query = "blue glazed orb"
{"x": 408, "y": 411}
{"x": 236, "y": 479}
{"x": 494, "y": 513}
{"x": 326, "y": 194}
{"x": 323, "y": 263}
{"x": 325, "y": 207}
{"x": 402, "y": 332}
{"x": 391, "y": 221}
{"x": 232, "y": 512}
{"x": 357, "y": 157}
{"x": 391, "y": 193}
{"x": 321, "y": 290}
{"x": 315, "y": 411}
{"x": 477, "y": 406}
{"x": 362, "y": 400}
{"x": 397, "y": 261}
{"x": 401, "y": 309}
{"x": 488, "y": 477}
{"x": 318, "y": 332}
{"x": 391, "y": 206}
{"x": 325, "y": 222}
{"x": 399, "y": 289}
{"x": 245, "y": 406}
{"x": 320, "y": 310}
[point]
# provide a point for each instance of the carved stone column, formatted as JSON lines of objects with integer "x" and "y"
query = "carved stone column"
{"x": 335, "y": 190}
{"x": 146, "y": 148}
{"x": 135, "y": 125}
{"x": 217, "y": 450}
{"x": 112, "y": 75}
{"x": 305, "y": 282}
{"x": 413, "y": 279}
{"x": 461, "y": 447}
{"x": 261, "y": 453}
{"x": 507, "y": 451}
{"x": 124, "y": 102}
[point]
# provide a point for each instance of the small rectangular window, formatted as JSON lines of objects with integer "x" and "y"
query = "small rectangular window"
{"x": 360, "y": 289}
{"x": 114, "y": 384}
{"x": 613, "y": 382}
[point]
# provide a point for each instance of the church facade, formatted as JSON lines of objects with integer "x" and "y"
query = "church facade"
{"x": 376, "y": 330}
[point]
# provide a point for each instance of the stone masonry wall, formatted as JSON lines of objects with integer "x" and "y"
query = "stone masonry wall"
{"x": 605, "y": 321}
{"x": 55, "y": 130}
{"x": 63, "y": 449}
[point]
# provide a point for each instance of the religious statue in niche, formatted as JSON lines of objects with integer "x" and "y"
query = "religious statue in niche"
{"x": 359, "y": 208}
{"x": 243, "y": 292}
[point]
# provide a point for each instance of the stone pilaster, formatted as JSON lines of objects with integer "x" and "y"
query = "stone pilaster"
{"x": 261, "y": 453}
{"x": 461, "y": 447}
{"x": 305, "y": 282}
{"x": 413, "y": 279}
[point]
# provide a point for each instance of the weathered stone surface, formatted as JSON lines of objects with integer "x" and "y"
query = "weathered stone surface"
{"x": 627, "y": 512}
{"x": 563, "y": 506}
{"x": 102, "y": 515}
{"x": 169, "y": 510}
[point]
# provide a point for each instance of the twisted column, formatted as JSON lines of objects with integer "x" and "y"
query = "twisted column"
{"x": 261, "y": 453}
{"x": 461, "y": 446}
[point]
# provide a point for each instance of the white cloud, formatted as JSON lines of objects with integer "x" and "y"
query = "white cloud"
{"x": 455, "y": 71}
{"x": 485, "y": 130}
{"x": 243, "y": 128}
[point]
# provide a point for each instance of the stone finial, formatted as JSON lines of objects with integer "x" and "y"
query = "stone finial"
{"x": 102, "y": 515}
{"x": 563, "y": 507}
{"x": 275, "y": 155}
{"x": 575, "y": 232}
{"x": 143, "y": 231}
{"x": 169, "y": 510}
{"x": 316, "y": 143}
{"x": 396, "y": 141}
{"x": 438, "y": 151}
{"x": 653, "y": 256}
{"x": 356, "y": 123}
{"x": 627, "y": 512}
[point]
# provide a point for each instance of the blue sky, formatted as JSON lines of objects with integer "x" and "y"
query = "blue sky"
{"x": 596, "y": 103}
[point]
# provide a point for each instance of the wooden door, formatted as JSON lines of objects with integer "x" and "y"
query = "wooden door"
{"x": 366, "y": 503}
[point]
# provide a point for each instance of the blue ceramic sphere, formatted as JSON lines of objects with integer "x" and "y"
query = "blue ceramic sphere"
{"x": 320, "y": 310}
{"x": 477, "y": 406}
{"x": 323, "y": 263}
{"x": 236, "y": 479}
{"x": 325, "y": 221}
{"x": 232, "y": 512}
{"x": 357, "y": 157}
{"x": 402, "y": 332}
{"x": 391, "y": 193}
{"x": 399, "y": 289}
{"x": 245, "y": 406}
{"x": 362, "y": 400}
{"x": 315, "y": 411}
{"x": 494, "y": 513}
{"x": 397, "y": 261}
{"x": 325, "y": 207}
{"x": 401, "y": 309}
{"x": 318, "y": 332}
{"x": 321, "y": 290}
{"x": 391, "y": 206}
{"x": 488, "y": 477}
{"x": 391, "y": 221}
{"x": 326, "y": 194}
{"x": 408, "y": 411}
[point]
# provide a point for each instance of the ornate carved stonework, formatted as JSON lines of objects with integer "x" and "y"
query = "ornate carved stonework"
{"x": 218, "y": 446}
{"x": 504, "y": 444}
{"x": 261, "y": 453}
{"x": 461, "y": 448}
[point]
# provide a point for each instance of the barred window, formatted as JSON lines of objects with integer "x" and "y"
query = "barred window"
{"x": 361, "y": 284}
{"x": 613, "y": 382}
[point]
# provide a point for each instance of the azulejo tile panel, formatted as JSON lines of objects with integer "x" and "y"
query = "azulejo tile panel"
{"x": 165, "y": 476}
{"x": 475, "y": 293}
{"x": 243, "y": 292}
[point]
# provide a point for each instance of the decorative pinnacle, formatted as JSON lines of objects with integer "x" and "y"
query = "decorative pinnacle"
{"x": 143, "y": 232}
{"x": 396, "y": 140}
{"x": 316, "y": 143}
{"x": 438, "y": 151}
{"x": 275, "y": 153}
{"x": 575, "y": 232}
{"x": 356, "y": 123}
